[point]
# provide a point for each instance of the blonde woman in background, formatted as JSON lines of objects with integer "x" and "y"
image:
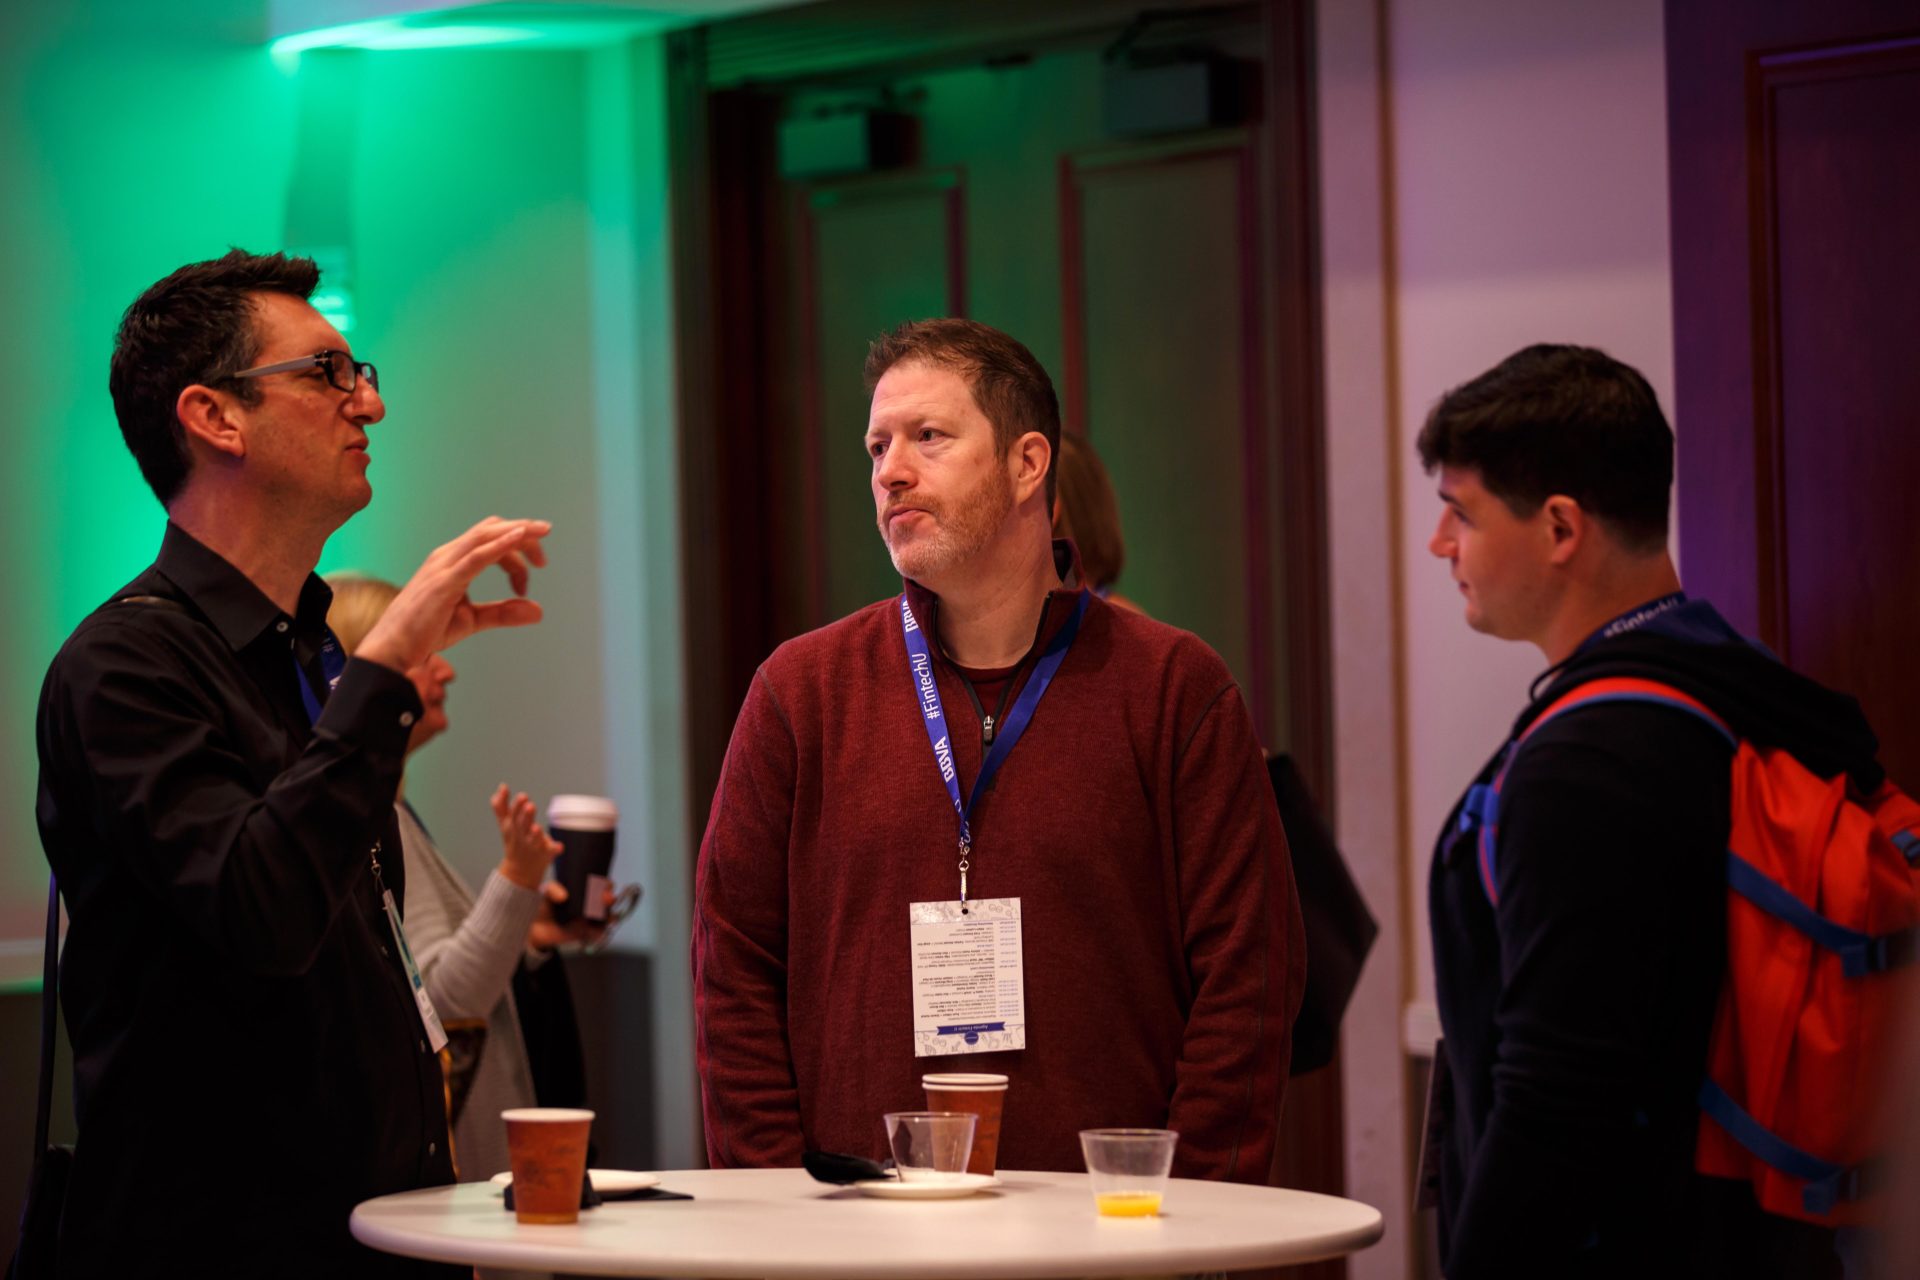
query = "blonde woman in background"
{"x": 1085, "y": 510}
{"x": 468, "y": 946}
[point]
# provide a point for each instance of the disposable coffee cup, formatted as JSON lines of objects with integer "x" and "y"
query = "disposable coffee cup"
{"x": 584, "y": 826}
{"x": 547, "y": 1147}
{"x": 982, "y": 1093}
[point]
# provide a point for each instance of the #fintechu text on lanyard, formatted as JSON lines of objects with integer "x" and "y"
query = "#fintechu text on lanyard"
{"x": 920, "y": 665}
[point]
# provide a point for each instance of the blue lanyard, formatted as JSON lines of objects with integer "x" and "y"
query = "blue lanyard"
{"x": 920, "y": 660}
{"x": 332, "y": 663}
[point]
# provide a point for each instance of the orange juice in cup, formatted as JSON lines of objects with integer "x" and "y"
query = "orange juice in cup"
{"x": 1128, "y": 1169}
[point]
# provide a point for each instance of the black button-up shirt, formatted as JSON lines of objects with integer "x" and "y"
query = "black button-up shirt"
{"x": 248, "y": 1059}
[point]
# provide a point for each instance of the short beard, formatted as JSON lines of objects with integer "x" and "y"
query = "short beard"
{"x": 963, "y": 526}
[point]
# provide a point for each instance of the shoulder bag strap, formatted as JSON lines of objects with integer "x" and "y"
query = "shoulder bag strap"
{"x": 50, "y": 973}
{"x": 49, "y": 1005}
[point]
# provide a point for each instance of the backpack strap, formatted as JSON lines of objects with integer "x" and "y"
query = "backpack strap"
{"x": 1860, "y": 953}
{"x": 1908, "y": 843}
{"x": 1827, "y": 1183}
{"x": 1482, "y": 806}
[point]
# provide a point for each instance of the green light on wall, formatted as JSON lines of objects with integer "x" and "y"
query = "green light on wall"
{"x": 399, "y": 33}
{"x": 478, "y": 26}
{"x": 335, "y": 307}
{"x": 334, "y": 298}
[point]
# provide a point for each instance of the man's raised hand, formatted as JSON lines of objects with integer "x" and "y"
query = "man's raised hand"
{"x": 432, "y": 612}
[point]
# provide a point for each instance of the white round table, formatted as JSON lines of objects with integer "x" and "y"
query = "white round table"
{"x": 779, "y": 1224}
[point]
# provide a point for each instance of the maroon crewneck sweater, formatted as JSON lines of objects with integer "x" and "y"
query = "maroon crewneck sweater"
{"x": 1134, "y": 820}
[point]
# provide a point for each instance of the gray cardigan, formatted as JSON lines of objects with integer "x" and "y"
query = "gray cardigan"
{"x": 467, "y": 949}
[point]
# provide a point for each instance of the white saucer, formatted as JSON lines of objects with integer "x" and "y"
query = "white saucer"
{"x": 605, "y": 1181}
{"x": 940, "y": 1186}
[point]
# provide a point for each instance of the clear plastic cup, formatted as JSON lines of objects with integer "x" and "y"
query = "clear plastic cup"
{"x": 927, "y": 1145}
{"x": 1128, "y": 1169}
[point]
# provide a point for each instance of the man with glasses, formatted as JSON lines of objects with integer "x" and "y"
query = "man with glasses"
{"x": 216, "y": 800}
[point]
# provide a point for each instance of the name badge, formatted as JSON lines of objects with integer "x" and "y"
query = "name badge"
{"x": 969, "y": 977}
{"x": 430, "y": 1020}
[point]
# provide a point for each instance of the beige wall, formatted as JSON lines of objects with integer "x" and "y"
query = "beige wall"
{"x": 1494, "y": 174}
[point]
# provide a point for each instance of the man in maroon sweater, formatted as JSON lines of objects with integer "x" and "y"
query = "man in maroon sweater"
{"x": 1125, "y": 855}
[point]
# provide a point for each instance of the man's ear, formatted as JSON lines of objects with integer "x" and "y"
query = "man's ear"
{"x": 1568, "y": 527}
{"x": 207, "y": 417}
{"x": 1028, "y": 460}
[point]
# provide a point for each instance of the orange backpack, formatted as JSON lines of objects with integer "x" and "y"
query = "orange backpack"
{"x": 1821, "y": 921}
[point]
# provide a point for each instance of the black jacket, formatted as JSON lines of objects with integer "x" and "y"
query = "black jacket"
{"x": 1577, "y": 1014}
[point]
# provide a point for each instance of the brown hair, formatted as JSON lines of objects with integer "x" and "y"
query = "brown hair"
{"x": 358, "y": 602}
{"x": 1007, "y": 383}
{"x": 197, "y": 325}
{"x": 1088, "y": 512}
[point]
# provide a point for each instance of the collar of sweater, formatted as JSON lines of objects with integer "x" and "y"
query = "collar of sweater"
{"x": 1053, "y": 615}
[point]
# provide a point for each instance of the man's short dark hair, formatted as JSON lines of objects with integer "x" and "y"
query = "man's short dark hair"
{"x": 197, "y": 325}
{"x": 1007, "y": 383}
{"x": 1561, "y": 419}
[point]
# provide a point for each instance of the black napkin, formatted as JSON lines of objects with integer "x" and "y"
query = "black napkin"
{"x": 842, "y": 1170}
{"x": 644, "y": 1193}
{"x": 591, "y": 1199}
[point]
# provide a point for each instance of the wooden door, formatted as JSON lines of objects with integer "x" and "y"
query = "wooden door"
{"x": 1164, "y": 371}
{"x": 1796, "y": 261}
{"x": 1132, "y": 269}
{"x": 874, "y": 252}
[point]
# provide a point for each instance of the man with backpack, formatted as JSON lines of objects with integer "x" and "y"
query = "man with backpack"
{"x": 1580, "y": 891}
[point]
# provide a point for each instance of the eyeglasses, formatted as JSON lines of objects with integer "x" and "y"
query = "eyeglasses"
{"x": 342, "y": 370}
